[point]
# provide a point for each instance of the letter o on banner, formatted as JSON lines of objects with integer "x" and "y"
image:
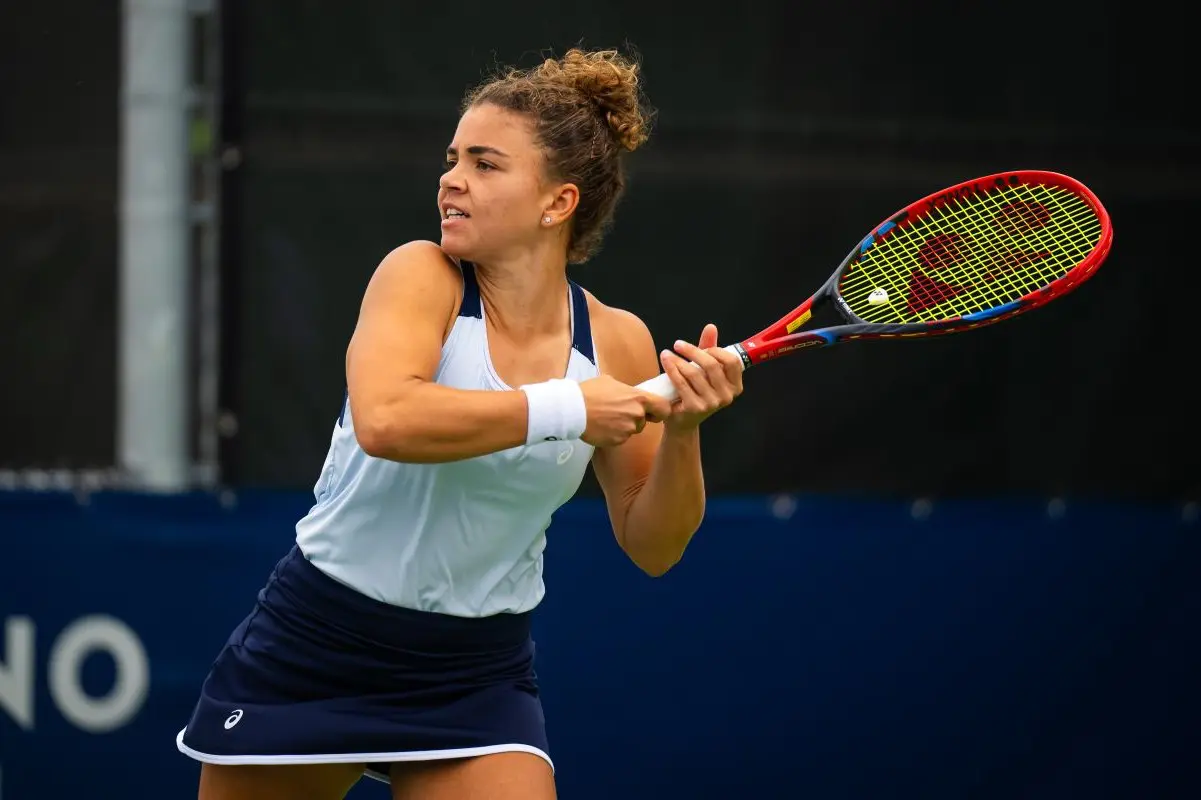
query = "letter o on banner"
{"x": 105, "y": 634}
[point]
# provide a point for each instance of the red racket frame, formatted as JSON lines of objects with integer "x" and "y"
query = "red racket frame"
{"x": 775, "y": 340}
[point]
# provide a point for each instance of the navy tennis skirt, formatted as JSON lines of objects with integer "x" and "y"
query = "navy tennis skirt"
{"x": 320, "y": 673}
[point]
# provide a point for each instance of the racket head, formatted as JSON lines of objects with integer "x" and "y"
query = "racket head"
{"x": 972, "y": 254}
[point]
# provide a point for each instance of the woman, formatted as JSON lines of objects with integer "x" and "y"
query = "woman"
{"x": 394, "y": 639}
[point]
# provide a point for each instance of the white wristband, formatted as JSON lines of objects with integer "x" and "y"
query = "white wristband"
{"x": 556, "y": 411}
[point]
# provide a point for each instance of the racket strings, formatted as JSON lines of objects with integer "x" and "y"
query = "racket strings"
{"x": 987, "y": 277}
{"x": 975, "y": 272}
{"x": 942, "y": 249}
{"x": 1049, "y": 239}
{"x": 970, "y": 273}
{"x": 971, "y": 254}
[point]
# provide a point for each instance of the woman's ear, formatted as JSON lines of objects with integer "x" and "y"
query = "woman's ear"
{"x": 562, "y": 203}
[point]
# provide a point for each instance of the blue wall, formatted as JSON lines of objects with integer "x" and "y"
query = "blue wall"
{"x": 986, "y": 651}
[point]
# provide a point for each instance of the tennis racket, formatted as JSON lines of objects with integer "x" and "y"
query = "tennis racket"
{"x": 970, "y": 255}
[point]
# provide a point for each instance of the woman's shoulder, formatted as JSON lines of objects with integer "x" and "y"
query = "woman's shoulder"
{"x": 421, "y": 272}
{"x": 624, "y": 344}
{"x": 418, "y": 266}
{"x": 422, "y": 257}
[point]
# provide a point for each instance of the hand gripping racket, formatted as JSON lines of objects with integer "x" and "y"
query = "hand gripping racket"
{"x": 974, "y": 254}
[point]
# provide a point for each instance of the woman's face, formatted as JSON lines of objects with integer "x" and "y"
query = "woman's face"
{"x": 494, "y": 192}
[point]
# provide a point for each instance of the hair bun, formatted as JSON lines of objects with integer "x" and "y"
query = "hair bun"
{"x": 612, "y": 82}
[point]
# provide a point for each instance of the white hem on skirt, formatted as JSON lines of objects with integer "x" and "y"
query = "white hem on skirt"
{"x": 352, "y": 758}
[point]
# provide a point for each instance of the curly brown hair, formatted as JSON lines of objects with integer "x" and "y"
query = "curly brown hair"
{"x": 588, "y": 110}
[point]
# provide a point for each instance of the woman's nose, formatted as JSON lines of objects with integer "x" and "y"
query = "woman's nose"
{"x": 450, "y": 179}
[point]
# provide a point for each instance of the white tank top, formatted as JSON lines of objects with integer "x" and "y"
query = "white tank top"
{"x": 465, "y": 537}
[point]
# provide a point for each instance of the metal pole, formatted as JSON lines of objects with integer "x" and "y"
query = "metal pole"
{"x": 153, "y": 349}
{"x": 207, "y": 218}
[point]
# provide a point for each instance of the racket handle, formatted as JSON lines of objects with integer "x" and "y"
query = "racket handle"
{"x": 661, "y": 384}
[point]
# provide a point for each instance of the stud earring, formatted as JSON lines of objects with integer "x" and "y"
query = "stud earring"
{"x": 546, "y": 220}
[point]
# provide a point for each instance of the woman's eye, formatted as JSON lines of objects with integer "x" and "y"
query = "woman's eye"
{"x": 483, "y": 166}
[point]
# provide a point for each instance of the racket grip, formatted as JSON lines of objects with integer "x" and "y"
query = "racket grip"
{"x": 661, "y": 384}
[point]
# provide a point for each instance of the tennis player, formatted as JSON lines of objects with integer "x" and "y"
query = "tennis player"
{"x": 394, "y": 639}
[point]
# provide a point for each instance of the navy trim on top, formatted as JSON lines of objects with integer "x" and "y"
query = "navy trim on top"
{"x": 471, "y": 293}
{"x": 581, "y": 334}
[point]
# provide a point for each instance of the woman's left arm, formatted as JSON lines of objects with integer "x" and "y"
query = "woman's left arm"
{"x": 654, "y": 485}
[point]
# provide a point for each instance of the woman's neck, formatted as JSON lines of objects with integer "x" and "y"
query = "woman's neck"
{"x": 525, "y": 295}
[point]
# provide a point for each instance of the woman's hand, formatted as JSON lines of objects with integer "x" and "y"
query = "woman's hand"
{"x": 709, "y": 383}
{"x": 617, "y": 411}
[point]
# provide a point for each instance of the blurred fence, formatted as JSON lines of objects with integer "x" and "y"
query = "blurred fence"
{"x": 815, "y": 648}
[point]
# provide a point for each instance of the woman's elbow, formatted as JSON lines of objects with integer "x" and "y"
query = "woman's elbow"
{"x": 656, "y": 565}
{"x": 657, "y": 569}
{"x": 373, "y": 440}
{"x": 380, "y": 435}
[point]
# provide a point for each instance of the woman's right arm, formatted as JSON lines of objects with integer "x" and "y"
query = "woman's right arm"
{"x": 399, "y": 413}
